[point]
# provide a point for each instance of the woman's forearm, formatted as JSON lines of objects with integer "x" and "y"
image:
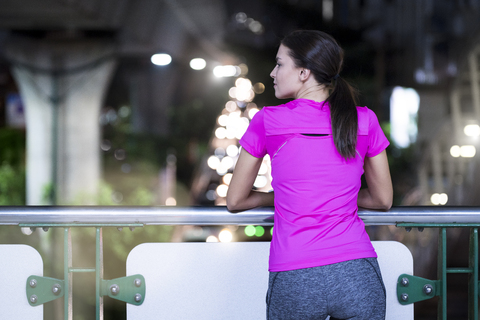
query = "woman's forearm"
{"x": 254, "y": 199}
{"x": 367, "y": 200}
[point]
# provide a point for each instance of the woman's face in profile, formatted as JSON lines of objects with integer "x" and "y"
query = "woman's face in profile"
{"x": 286, "y": 76}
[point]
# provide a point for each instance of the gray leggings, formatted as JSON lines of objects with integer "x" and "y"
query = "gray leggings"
{"x": 351, "y": 290}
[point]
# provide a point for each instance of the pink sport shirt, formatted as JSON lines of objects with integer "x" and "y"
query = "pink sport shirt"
{"x": 316, "y": 189}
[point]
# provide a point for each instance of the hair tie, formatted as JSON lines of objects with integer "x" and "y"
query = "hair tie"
{"x": 335, "y": 77}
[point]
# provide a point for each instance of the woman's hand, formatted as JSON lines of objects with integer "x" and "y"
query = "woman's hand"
{"x": 240, "y": 195}
{"x": 379, "y": 193}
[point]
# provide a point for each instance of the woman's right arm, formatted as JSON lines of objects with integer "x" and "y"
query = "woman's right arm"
{"x": 379, "y": 191}
{"x": 240, "y": 195}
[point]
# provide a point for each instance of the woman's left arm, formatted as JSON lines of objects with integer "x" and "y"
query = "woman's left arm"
{"x": 240, "y": 195}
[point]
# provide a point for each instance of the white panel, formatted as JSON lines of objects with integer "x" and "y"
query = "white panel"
{"x": 201, "y": 280}
{"x": 17, "y": 263}
{"x": 229, "y": 280}
{"x": 394, "y": 259}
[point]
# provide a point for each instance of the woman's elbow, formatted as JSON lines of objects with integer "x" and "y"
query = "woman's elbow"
{"x": 386, "y": 202}
{"x": 232, "y": 203}
{"x": 386, "y": 205}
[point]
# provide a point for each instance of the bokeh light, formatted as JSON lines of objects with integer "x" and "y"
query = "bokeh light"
{"x": 222, "y": 190}
{"x": 468, "y": 151}
{"x": 227, "y": 178}
{"x": 455, "y": 151}
{"x": 259, "y": 88}
{"x": 260, "y": 182}
{"x": 171, "y": 201}
{"x": 226, "y": 71}
{"x": 225, "y": 236}
{"x": 161, "y": 59}
{"x": 211, "y": 238}
{"x": 250, "y": 231}
{"x": 439, "y": 198}
{"x": 213, "y": 162}
{"x": 252, "y": 112}
{"x": 198, "y": 64}
{"x": 232, "y": 150}
{"x": 221, "y": 133}
{"x": 259, "y": 231}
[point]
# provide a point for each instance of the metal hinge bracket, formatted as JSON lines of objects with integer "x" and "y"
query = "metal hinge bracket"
{"x": 411, "y": 289}
{"x": 129, "y": 289}
{"x": 41, "y": 290}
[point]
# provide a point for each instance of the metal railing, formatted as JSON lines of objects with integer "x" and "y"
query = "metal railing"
{"x": 410, "y": 289}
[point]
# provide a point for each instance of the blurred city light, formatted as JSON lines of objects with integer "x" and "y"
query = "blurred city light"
{"x": 222, "y": 190}
{"x": 171, "y": 201}
{"x": 263, "y": 168}
{"x": 211, "y": 195}
{"x": 198, "y": 64}
{"x": 259, "y": 88}
{"x": 455, "y": 151}
{"x": 221, "y": 171}
{"x": 227, "y": 178}
{"x": 439, "y": 199}
{"x": 327, "y": 10}
{"x": 404, "y": 104}
{"x": 220, "y": 152}
{"x": 232, "y": 150}
{"x": 467, "y": 151}
{"x": 472, "y": 130}
{"x": 161, "y": 59}
{"x": 241, "y": 17}
{"x": 221, "y": 133}
{"x": 213, "y": 162}
{"x": 250, "y": 231}
{"x": 260, "y": 182}
{"x": 226, "y": 71}
{"x": 227, "y": 162}
{"x": 259, "y": 231}
{"x": 212, "y": 239}
{"x": 222, "y": 120}
{"x": 252, "y": 112}
{"x": 231, "y": 106}
{"x": 225, "y": 235}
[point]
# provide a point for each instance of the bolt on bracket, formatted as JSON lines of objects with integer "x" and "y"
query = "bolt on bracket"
{"x": 411, "y": 289}
{"x": 129, "y": 289}
{"x": 41, "y": 290}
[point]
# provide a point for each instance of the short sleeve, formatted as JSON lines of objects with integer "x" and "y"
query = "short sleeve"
{"x": 254, "y": 139}
{"x": 377, "y": 141}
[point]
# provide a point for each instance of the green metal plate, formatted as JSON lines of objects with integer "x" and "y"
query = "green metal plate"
{"x": 41, "y": 290}
{"x": 411, "y": 289}
{"x": 129, "y": 289}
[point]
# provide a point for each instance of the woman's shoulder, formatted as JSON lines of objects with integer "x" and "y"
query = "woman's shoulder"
{"x": 365, "y": 112}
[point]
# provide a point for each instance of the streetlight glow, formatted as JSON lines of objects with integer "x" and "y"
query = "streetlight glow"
{"x": 161, "y": 59}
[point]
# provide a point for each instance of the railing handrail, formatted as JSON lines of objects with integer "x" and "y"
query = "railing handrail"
{"x": 218, "y": 215}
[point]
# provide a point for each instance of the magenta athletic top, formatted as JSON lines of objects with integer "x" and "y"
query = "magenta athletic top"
{"x": 316, "y": 189}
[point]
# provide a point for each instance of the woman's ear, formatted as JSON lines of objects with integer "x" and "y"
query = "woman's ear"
{"x": 304, "y": 74}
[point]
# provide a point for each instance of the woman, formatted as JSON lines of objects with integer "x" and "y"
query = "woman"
{"x": 321, "y": 259}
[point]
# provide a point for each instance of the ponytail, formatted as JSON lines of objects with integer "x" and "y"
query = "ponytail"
{"x": 321, "y": 54}
{"x": 343, "y": 113}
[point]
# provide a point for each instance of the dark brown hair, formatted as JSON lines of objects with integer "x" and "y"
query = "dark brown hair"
{"x": 320, "y": 53}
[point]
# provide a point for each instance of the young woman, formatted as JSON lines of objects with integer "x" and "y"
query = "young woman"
{"x": 321, "y": 259}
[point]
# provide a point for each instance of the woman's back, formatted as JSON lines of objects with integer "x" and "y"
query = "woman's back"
{"x": 315, "y": 187}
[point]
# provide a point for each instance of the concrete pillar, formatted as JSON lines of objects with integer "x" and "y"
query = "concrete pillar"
{"x": 62, "y": 85}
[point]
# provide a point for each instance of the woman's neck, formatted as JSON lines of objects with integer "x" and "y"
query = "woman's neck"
{"x": 315, "y": 93}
